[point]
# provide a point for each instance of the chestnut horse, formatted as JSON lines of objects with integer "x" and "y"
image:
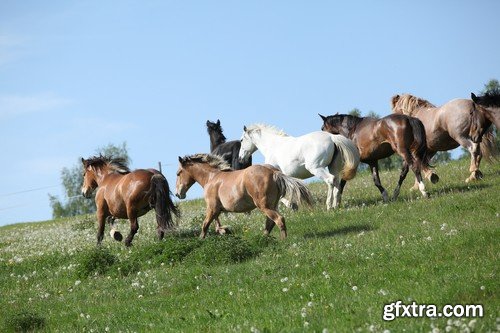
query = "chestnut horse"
{"x": 126, "y": 194}
{"x": 380, "y": 138}
{"x": 228, "y": 150}
{"x": 225, "y": 190}
{"x": 456, "y": 123}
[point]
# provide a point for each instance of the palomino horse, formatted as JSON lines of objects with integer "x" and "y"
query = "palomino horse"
{"x": 227, "y": 150}
{"x": 456, "y": 123}
{"x": 327, "y": 156}
{"x": 489, "y": 106}
{"x": 226, "y": 190}
{"x": 126, "y": 194}
{"x": 380, "y": 138}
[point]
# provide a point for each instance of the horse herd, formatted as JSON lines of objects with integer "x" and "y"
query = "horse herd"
{"x": 416, "y": 130}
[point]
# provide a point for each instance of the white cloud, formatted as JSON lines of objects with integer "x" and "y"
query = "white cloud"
{"x": 16, "y": 105}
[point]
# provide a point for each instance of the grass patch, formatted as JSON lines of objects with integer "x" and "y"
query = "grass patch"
{"x": 24, "y": 321}
{"x": 228, "y": 249}
{"x": 96, "y": 261}
{"x": 335, "y": 270}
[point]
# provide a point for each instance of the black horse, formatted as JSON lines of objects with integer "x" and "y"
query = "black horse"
{"x": 227, "y": 150}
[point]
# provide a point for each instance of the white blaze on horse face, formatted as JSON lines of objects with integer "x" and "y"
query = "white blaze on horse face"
{"x": 181, "y": 185}
{"x": 87, "y": 188}
{"x": 247, "y": 147}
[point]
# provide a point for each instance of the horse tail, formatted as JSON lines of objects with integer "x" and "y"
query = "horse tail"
{"x": 345, "y": 159}
{"x": 160, "y": 200}
{"x": 292, "y": 188}
{"x": 421, "y": 155}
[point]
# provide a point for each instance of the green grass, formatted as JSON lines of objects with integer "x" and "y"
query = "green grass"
{"x": 335, "y": 271}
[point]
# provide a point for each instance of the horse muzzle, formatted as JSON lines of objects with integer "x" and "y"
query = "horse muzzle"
{"x": 87, "y": 194}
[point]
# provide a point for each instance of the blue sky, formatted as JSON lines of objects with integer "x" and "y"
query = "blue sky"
{"x": 77, "y": 75}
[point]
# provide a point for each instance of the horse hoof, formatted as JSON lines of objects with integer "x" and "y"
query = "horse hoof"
{"x": 434, "y": 178}
{"x": 294, "y": 206}
{"x": 116, "y": 235}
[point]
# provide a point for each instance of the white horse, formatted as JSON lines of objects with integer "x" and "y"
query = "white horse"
{"x": 321, "y": 154}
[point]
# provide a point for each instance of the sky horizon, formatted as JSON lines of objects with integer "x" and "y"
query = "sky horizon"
{"x": 76, "y": 76}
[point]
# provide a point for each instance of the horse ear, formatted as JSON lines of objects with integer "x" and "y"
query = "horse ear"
{"x": 473, "y": 97}
{"x": 84, "y": 162}
{"x": 244, "y": 128}
{"x": 322, "y": 117}
{"x": 181, "y": 160}
{"x": 337, "y": 114}
{"x": 218, "y": 122}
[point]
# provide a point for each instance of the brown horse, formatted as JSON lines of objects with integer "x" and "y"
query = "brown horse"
{"x": 380, "y": 138}
{"x": 126, "y": 194}
{"x": 225, "y": 190}
{"x": 456, "y": 123}
{"x": 489, "y": 106}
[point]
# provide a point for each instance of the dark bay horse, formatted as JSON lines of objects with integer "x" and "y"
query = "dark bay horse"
{"x": 455, "y": 123}
{"x": 380, "y": 138}
{"x": 227, "y": 150}
{"x": 489, "y": 106}
{"x": 225, "y": 190}
{"x": 126, "y": 194}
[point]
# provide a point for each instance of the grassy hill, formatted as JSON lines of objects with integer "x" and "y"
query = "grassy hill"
{"x": 334, "y": 272}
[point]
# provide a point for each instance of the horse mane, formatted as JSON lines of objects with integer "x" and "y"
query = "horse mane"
{"x": 116, "y": 164}
{"x": 265, "y": 127}
{"x": 408, "y": 104}
{"x": 490, "y": 99}
{"x": 213, "y": 160}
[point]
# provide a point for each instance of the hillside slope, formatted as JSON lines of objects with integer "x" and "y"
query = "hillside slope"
{"x": 334, "y": 272}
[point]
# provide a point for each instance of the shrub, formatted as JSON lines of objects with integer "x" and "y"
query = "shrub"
{"x": 95, "y": 261}
{"x": 225, "y": 249}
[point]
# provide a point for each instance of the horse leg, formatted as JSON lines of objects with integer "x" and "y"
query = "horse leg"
{"x": 115, "y": 234}
{"x": 218, "y": 228}
{"x": 211, "y": 214}
{"x": 332, "y": 182}
{"x": 475, "y": 151}
{"x": 275, "y": 217}
{"x": 288, "y": 204}
{"x": 269, "y": 226}
{"x": 134, "y": 226}
{"x": 402, "y": 176}
{"x": 376, "y": 180}
{"x": 101, "y": 221}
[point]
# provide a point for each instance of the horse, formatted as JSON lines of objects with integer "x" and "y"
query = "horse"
{"x": 228, "y": 190}
{"x": 455, "y": 123}
{"x": 326, "y": 156}
{"x": 489, "y": 106}
{"x": 227, "y": 150}
{"x": 381, "y": 138}
{"x": 126, "y": 194}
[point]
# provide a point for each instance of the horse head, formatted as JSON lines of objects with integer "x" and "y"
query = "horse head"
{"x": 89, "y": 179}
{"x": 333, "y": 124}
{"x": 184, "y": 179}
{"x": 248, "y": 146}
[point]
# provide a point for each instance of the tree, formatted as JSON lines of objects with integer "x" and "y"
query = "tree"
{"x": 441, "y": 156}
{"x": 355, "y": 112}
{"x": 492, "y": 87}
{"x": 72, "y": 180}
{"x": 373, "y": 114}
